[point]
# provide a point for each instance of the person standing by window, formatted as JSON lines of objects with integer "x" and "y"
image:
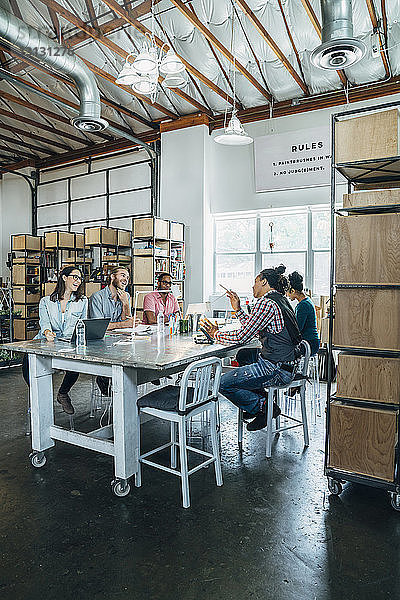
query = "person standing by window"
{"x": 305, "y": 311}
{"x": 58, "y": 316}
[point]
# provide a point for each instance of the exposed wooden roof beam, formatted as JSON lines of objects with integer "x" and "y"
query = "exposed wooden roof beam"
{"x": 228, "y": 55}
{"x": 55, "y": 22}
{"x": 41, "y": 149}
{"x": 143, "y": 29}
{"x": 317, "y": 26}
{"x": 289, "y": 34}
{"x": 91, "y": 12}
{"x": 310, "y": 103}
{"x": 375, "y": 25}
{"x": 34, "y": 136}
{"x": 15, "y": 8}
{"x": 99, "y": 37}
{"x": 37, "y": 125}
{"x": 63, "y": 79}
{"x": 271, "y": 43}
{"x": 17, "y": 152}
{"x": 97, "y": 150}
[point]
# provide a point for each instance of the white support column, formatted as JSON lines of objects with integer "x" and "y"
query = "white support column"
{"x": 124, "y": 382}
{"x": 41, "y": 394}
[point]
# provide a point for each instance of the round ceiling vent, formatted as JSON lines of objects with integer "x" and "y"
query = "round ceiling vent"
{"x": 89, "y": 124}
{"x": 338, "y": 54}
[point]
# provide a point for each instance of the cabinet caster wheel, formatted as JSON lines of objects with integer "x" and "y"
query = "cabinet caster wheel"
{"x": 395, "y": 501}
{"x": 334, "y": 486}
{"x": 38, "y": 459}
{"x": 120, "y": 487}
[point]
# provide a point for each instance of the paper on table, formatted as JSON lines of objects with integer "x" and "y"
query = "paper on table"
{"x": 138, "y": 330}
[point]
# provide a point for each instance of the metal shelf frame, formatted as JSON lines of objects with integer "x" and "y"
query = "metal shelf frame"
{"x": 369, "y": 171}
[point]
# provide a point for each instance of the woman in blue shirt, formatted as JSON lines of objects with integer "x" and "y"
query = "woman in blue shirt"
{"x": 58, "y": 315}
{"x": 305, "y": 311}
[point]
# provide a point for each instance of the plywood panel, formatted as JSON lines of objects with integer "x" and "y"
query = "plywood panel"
{"x": 143, "y": 270}
{"x": 368, "y": 249}
{"x": 363, "y": 440}
{"x": 369, "y": 378}
{"x": 367, "y": 137}
{"x": 367, "y": 318}
{"x": 371, "y": 198}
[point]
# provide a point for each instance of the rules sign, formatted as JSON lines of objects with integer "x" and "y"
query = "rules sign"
{"x": 296, "y": 159}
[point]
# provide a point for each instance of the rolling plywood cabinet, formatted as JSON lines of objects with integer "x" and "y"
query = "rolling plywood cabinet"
{"x": 363, "y": 414}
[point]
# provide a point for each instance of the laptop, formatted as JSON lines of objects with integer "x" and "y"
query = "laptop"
{"x": 94, "y": 330}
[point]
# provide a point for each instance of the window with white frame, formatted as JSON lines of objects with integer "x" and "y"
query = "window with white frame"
{"x": 298, "y": 238}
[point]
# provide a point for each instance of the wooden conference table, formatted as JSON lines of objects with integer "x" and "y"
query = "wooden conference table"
{"x": 128, "y": 363}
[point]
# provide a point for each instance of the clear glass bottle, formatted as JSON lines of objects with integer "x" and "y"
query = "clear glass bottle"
{"x": 80, "y": 334}
{"x": 160, "y": 323}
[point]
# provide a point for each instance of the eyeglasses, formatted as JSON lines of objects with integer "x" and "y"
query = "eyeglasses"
{"x": 76, "y": 277}
{"x": 166, "y": 282}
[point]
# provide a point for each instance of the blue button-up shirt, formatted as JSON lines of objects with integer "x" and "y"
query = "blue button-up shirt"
{"x": 102, "y": 306}
{"x": 50, "y": 316}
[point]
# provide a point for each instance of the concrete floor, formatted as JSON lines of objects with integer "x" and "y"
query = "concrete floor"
{"x": 271, "y": 532}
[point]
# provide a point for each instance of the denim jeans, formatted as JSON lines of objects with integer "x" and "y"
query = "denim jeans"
{"x": 244, "y": 386}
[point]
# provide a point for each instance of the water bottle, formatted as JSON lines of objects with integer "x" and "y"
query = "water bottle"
{"x": 160, "y": 323}
{"x": 80, "y": 334}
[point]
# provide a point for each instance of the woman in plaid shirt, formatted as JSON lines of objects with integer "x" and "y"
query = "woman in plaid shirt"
{"x": 272, "y": 319}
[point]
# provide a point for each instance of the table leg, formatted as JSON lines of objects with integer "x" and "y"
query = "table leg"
{"x": 124, "y": 381}
{"x": 41, "y": 395}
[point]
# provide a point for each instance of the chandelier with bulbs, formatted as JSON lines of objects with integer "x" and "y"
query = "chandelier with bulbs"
{"x": 145, "y": 68}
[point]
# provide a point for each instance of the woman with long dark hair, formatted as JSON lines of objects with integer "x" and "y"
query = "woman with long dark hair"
{"x": 272, "y": 319}
{"x": 58, "y": 316}
{"x": 305, "y": 311}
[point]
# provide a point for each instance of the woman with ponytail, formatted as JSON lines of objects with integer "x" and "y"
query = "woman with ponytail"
{"x": 305, "y": 311}
{"x": 272, "y": 319}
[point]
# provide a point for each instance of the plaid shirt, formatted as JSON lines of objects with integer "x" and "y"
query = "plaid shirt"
{"x": 266, "y": 314}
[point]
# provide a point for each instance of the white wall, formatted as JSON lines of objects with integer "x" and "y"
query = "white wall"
{"x": 15, "y": 214}
{"x": 200, "y": 178}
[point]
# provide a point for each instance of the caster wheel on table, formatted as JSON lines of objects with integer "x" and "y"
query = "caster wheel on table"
{"x": 395, "y": 501}
{"x": 120, "y": 487}
{"x": 334, "y": 486}
{"x": 38, "y": 459}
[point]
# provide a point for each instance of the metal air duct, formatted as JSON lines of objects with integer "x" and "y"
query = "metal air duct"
{"x": 339, "y": 49}
{"x": 29, "y": 42}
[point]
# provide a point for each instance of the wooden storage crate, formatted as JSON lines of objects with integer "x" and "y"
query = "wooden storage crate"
{"x": 368, "y": 378}
{"x": 27, "y": 260}
{"x": 26, "y": 242}
{"x": 27, "y": 311}
{"x": 363, "y": 440}
{"x": 48, "y": 288}
{"x": 100, "y": 235}
{"x": 21, "y": 332}
{"x": 367, "y": 137}
{"x": 25, "y": 273}
{"x": 21, "y": 294}
{"x": 59, "y": 239}
{"x": 367, "y": 318}
{"x": 376, "y": 198}
{"x": 143, "y": 270}
{"x": 79, "y": 240}
{"x": 120, "y": 258}
{"x": 176, "y": 231}
{"x": 151, "y": 227}
{"x": 368, "y": 249}
{"x": 124, "y": 238}
{"x": 140, "y": 298}
{"x": 91, "y": 287}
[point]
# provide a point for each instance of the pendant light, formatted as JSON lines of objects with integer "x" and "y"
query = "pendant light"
{"x": 145, "y": 70}
{"x": 234, "y": 134}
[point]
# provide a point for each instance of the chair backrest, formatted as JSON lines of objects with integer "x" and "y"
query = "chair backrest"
{"x": 305, "y": 359}
{"x": 206, "y": 386}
